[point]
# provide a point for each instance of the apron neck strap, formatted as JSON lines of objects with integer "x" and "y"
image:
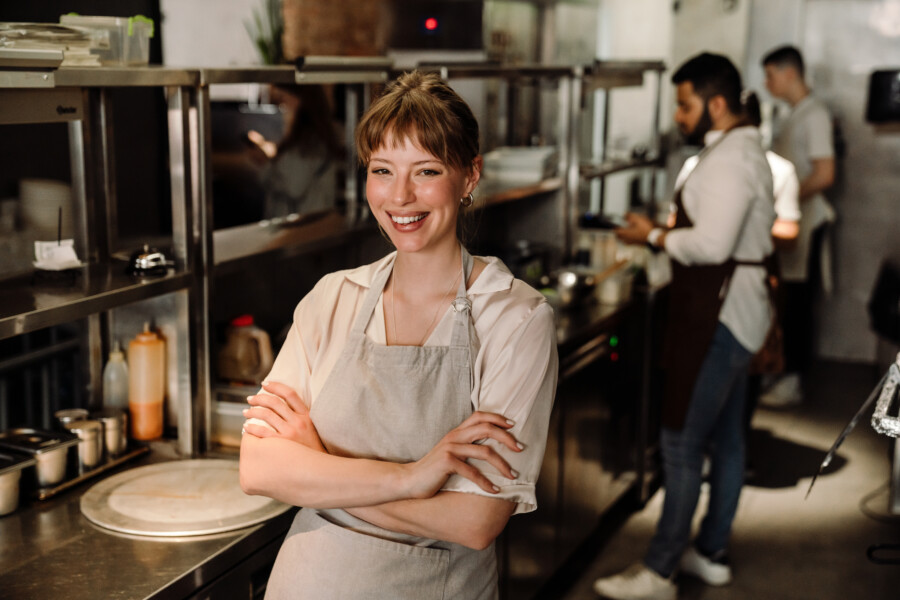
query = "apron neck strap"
{"x": 461, "y": 305}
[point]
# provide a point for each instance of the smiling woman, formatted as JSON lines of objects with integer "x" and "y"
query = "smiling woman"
{"x": 408, "y": 409}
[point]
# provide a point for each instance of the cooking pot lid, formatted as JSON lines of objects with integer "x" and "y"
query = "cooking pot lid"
{"x": 175, "y": 499}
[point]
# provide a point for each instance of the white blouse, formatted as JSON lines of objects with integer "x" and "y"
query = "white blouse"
{"x": 516, "y": 360}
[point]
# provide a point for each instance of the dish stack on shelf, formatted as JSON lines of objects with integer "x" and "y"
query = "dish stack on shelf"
{"x": 24, "y": 39}
{"x": 520, "y": 165}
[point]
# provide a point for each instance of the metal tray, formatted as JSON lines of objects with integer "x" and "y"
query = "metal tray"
{"x": 177, "y": 499}
{"x": 42, "y": 493}
{"x": 35, "y": 441}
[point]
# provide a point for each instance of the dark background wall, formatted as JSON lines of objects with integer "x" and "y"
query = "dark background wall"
{"x": 138, "y": 122}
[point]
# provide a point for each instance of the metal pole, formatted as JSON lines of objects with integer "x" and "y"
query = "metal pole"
{"x": 657, "y": 143}
{"x": 195, "y": 117}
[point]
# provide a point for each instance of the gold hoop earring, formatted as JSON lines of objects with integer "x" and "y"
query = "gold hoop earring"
{"x": 467, "y": 201}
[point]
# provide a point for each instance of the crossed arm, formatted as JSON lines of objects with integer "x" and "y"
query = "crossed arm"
{"x": 287, "y": 461}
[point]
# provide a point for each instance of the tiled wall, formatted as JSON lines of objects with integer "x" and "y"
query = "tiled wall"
{"x": 844, "y": 40}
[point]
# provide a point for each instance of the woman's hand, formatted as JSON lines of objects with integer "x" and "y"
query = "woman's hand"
{"x": 285, "y": 413}
{"x": 426, "y": 476}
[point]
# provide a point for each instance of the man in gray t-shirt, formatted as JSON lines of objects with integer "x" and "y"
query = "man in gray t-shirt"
{"x": 806, "y": 139}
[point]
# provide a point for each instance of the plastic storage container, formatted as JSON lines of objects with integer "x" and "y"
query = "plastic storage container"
{"x": 129, "y": 37}
{"x": 146, "y": 384}
{"x": 227, "y": 422}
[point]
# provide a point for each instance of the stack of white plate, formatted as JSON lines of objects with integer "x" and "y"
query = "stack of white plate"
{"x": 522, "y": 164}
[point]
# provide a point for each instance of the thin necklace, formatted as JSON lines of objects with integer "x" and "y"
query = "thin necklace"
{"x": 436, "y": 311}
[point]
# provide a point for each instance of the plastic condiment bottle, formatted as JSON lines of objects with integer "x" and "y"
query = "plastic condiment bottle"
{"x": 146, "y": 384}
{"x": 115, "y": 380}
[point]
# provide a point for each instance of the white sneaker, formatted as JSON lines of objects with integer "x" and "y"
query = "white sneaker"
{"x": 637, "y": 582}
{"x": 785, "y": 393}
{"x": 704, "y": 568}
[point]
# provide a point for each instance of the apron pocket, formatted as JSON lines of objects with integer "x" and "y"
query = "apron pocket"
{"x": 322, "y": 561}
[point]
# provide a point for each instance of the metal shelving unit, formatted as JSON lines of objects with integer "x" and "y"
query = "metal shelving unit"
{"x": 605, "y": 76}
{"x": 566, "y": 79}
{"x": 227, "y": 251}
{"x": 80, "y": 97}
{"x": 575, "y": 87}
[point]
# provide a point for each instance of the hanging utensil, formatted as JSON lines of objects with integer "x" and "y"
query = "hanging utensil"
{"x": 884, "y": 393}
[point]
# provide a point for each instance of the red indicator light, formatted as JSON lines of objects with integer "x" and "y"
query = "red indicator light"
{"x": 614, "y": 356}
{"x": 431, "y": 23}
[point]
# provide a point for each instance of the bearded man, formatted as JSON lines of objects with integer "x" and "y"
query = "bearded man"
{"x": 718, "y": 317}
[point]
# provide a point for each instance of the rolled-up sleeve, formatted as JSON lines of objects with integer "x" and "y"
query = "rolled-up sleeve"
{"x": 518, "y": 380}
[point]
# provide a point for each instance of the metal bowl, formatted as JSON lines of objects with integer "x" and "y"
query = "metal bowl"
{"x": 568, "y": 287}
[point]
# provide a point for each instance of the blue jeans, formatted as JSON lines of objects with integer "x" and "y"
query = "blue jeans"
{"x": 714, "y": 424}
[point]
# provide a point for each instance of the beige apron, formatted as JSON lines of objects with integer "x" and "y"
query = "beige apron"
{"x": 390, "y": 403}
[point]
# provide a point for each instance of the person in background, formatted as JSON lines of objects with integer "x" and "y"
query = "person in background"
{"x": 806, "y": 139}
{"x": 786, "y": 188}
{"x": 408, "y": 410}
{"x": 299, "y": 172}
{"x": 718, "y": 315}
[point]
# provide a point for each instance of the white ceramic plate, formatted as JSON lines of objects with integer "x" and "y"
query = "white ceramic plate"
{"x": 175, "y": 499}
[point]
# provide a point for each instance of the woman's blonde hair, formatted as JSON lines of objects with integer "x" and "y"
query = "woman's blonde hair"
{"x": 421, "y": 107}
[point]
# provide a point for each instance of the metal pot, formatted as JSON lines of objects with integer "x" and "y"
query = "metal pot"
{"x": 68, "y": 415}
{"x": 90, "y": 445}
{"x": 568, "y": 287}
{"x": 115, "y": 430}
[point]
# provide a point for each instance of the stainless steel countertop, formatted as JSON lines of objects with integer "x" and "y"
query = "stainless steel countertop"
{"x": 49, "y": 550}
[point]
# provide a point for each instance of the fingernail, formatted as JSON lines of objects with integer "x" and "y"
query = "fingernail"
{"x": 249, "y": 398}
{"x": 520, "y": 446}
{"x": 245, "y": 411}
{"x": 515, "y": 474}
{"x": 243, "y": 431}
{"x": 265, "y": 383}
{"x": 495, "y": 488}
{"x": 510, "y": 422}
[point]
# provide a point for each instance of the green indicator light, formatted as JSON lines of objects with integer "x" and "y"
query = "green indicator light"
{"x": 614, "y": 341}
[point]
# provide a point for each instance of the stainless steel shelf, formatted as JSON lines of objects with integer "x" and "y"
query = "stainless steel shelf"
{"x": 149, "y": 76}
{"x": 499, "y": 192}
{"x": 284, "y": 239}
{"x": 28, "y": 305}
{"x": 250, "y": 74}
{"x": 49, "y": 492}
{"x": 315, "y": 69}
{"x": 480, "y": 71}
{"x": 339, "y": 69}
{"x": 590, "y": 171}
{"x": 612, "y": 74}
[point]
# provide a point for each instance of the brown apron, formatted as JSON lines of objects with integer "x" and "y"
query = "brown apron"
{"x": 696, "y": 295}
